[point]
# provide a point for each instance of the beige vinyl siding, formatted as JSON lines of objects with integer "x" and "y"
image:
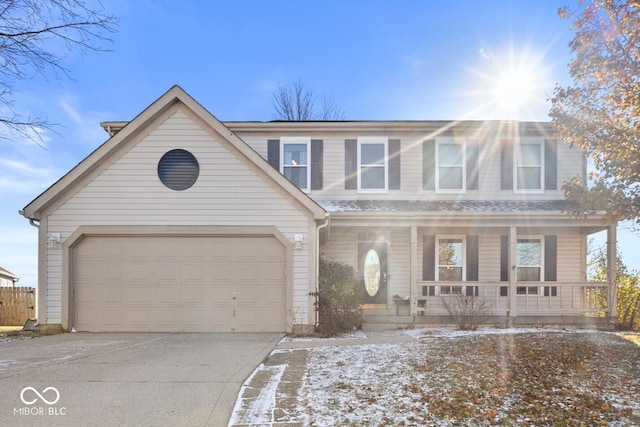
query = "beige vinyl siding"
{"x": 570, "y": 256}
{"x": 342, "y": 246}
{"x": 570, "y": 164}
{"x": 399, "y": 263}
{"x": 227, "y": 192}
{"x": 489, "y": 258}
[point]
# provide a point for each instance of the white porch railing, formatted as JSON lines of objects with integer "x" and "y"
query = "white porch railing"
{"x": 531, "y": 299}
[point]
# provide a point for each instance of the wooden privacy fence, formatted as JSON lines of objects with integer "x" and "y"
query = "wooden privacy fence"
{"x": 16, "y": 305}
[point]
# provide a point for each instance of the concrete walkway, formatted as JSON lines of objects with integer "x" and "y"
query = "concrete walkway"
{"x": 269, "y": 397}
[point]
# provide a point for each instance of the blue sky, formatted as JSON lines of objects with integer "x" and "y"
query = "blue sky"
{"x": 378, "y": 60}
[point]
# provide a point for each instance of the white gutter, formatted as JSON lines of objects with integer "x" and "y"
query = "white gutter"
{"x": 317, "y": 291}
{"x": 32, "y": 221}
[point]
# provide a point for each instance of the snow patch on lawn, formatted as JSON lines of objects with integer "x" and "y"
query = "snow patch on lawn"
{"x": 373, "y": 382}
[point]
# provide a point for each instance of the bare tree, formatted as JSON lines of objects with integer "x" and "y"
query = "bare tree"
{"x": 296, "y": 102}
{"x": 34, "y": 37}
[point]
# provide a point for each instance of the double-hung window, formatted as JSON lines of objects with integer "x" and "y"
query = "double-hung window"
{"x": 529, "y": 260}
{"x": 451, "y": 165}
{"x": 294, "y": 161}
{"x": 529, "y": 165}
{"x": 450, "y": 259}
{"x": 373, "y": 155}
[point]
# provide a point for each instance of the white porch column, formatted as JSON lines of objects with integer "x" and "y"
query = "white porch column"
{"x": 513, "y": 242}
{"x": 612, "y": 263}
{"x": 413, "y": 265}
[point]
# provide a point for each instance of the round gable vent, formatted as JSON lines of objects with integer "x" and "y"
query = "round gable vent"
{"x": 178, "y": 169}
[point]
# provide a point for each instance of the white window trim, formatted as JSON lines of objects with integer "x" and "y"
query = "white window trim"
{"x": 541, "y": 240}
{"x": 452, "y": 141}
{"x": 464, "y": 256}
{"x": 306, "y": 140}
{"x": 363, "y": 140}
{"x": 516, "y": 164}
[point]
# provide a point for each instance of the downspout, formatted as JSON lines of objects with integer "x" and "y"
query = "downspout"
{"x": 317, "y": 290}
{"x": 32, "y": 221}
{"x": 31, "y": 323}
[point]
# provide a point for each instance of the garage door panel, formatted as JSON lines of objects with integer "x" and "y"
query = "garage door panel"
{"x": 274, "y": 272}
{"x": 113, "y": 295}
{"x": 193, "y": 296}
{"x": 274, "y": 296}
{"x": 163, "y": 283}
{"x": 141, "y": 319}
{"x": 167, "y": 295}
{"x": 86, "y": 295}
{"x": 247, "y": 295}
{"x": 221, "y": 295}
{"x": 167, "y": 271}
{"x": 220, "y": 273}
{"x": 140, "y": 295}
{"x": 141, "y": 272}
{"x": 193, "y": 272}
{"x": 167, "y": 320}
{"x": 197, "y": 319}
{"x": 113, "y": 318}
{"x": 114, "y": 249}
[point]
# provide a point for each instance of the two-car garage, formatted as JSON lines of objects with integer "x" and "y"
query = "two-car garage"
{"x": 189, "y": 283}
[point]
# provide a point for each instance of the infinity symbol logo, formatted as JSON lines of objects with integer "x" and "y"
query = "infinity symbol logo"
{"x": 31, "y": 402}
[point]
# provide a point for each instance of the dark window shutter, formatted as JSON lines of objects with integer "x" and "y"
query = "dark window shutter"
{"x": 472, "y": 165}
{"x": 551, "y": 164}
{"x": 317, "y": 148}
{"x": 550, "y": 258}
{"x": 506, "y": 166}
{"x": 472, "y": 258}
{"x": 429, "y": 164}
{"x": 504, "y": 258}
{"x": 394, "y": 164}
{"x": 429, "y": 257}
{"x": 350, "y": 164}
{"x": 273, "y": 153}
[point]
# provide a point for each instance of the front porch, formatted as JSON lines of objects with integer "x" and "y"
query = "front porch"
{"x": 526, "y": 269}
{"x": 536, "y": 304}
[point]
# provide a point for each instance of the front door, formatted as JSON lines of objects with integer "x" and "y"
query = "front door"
{"x": 372, "y": 271}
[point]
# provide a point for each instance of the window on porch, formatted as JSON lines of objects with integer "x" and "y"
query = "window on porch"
{"x": 529, "y": 260}
{"x": 450, "y": 260}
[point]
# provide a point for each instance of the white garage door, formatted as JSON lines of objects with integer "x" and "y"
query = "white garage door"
{"x": 192, "y": 284}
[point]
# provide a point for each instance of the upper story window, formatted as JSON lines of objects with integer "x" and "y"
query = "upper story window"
{"x": 373, "y": 157}
{"x": 451, "y": 165}
{"x": 529, "y": 260}
{"x": 294, "y": 162}
{"x": 450, "y": 259}
{"x": 529, "y": 166}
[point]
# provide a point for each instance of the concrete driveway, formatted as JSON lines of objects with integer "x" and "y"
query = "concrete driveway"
{"x": 122, "y": 379}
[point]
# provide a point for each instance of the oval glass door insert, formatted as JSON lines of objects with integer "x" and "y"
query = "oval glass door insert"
{"x": 372, "y": 272}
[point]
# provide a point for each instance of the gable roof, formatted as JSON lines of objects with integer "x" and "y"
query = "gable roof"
{"x": 170, "y": 98}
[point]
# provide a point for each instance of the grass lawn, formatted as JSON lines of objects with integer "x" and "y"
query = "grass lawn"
{"x": 501, "y": 378}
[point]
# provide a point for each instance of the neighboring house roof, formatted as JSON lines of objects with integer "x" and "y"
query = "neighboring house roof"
{"x": 8, "y": 275}
{"x": 127, "y": 131}
{"x": 333, "y": 206}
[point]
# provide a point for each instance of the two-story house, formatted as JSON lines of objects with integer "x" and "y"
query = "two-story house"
{"x": 180, "y": 222}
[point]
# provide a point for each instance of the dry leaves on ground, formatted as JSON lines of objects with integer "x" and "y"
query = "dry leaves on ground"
{"x": 524, "y": 379}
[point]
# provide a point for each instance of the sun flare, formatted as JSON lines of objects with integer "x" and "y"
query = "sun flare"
{"x": 514, "y": 88}
{"x": 511, "y": 85}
